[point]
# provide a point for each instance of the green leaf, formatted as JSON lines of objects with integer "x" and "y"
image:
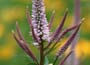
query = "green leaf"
{"x": 46, "y": 61}
{"x": 32, "y": 64}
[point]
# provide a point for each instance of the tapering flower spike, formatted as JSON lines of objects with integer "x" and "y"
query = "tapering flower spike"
{"x": 24, "y": 46}
{"x": 62, "y": 34}
{"x": 58, "y": 30}
{"x": 66, "y": 45}
{"x": 22, "y": 43}
{"x": 51, "y": 19}
{"x": 68, "y": 30}
{"x": 62, "y": 62}
{"x": 68, "y": 42}
{"x": 19, "y": 32}
{"x": 39, "y": 21}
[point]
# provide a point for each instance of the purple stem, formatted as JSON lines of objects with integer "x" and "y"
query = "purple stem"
{"x": 19, "y": 32}
{"x": 74, "y": 43}
{"x": 62, "y": 34}
{"x": 58, "y": 30}
{"x": 63, "y": 61}
{"x": 51, "y": 19}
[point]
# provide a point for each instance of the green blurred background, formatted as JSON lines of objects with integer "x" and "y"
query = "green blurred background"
{"x": 15, "y": 10}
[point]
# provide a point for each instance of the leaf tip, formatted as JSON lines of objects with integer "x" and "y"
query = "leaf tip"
{"x": 12, "y": 31}
{"x": 83, "y": 19}
{"x": 53, "y": 12}
{"x": 27, "y": 7}
{"x": 67, "y": 9}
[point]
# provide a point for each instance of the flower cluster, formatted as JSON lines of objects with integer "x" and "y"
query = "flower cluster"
{"x": 40, "y": 29}
{"x": 39, "y": 21}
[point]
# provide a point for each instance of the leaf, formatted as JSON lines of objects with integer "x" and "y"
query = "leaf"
{"x": 46, "y": 61}
{"x": 32, "y": 64}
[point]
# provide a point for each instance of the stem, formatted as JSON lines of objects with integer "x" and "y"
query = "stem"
{"x": 55, "y": 60}
{"x": 50, "y": 49}
{"x": 62, "y": 62}
{"x": 75, "y": 61}
{"x": 41, "y": 54}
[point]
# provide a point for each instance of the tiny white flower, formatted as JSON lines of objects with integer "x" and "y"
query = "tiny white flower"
{"x": 35, "y": 43}
{"x": 50, "y": 64}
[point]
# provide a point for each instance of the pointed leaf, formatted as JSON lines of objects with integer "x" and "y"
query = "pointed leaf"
{"x": 28, "y": 17}
{"x": 51, "y": 19}
{"x": 31, "y": 64}
{"x": 46, "y": 61}
{"x": 63, "y": 61}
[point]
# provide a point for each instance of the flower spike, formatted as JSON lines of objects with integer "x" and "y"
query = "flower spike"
{"x": 19, "y": 32}
{"x": 51, "y": 19}
{"x": 67, "y": 44}
{"x": 24, "y": 46}
{"x": 58, "y": 30}
{"x": 62, "y": 62}
{"x": 39, "y": 20}
{"x": 28, "y": 17}
{"x": 69, "y": 29}
{"x": 62, "y": 34}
